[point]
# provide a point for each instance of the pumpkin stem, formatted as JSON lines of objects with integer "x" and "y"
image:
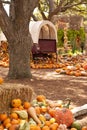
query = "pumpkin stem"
{"x": 66, "y": 105}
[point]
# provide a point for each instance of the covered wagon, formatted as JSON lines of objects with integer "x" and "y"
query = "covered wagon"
{"x": 44, "y": 36}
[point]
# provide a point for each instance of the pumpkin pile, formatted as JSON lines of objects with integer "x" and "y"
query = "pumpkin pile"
{"x": 73, "y": 65}
{"x": 40, "y": 114}
{"x": 4, "y": 57}
{"x": 76, "y": 66}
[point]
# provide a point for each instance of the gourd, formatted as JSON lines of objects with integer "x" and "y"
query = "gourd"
{"x": 24, "y": 126}
{"x": 78, "y": 124}
{"x": 64, "y": 116}
{"x": 22, "y": 114}
{"x": 78, "y": 111}
{"x": 31, "y": 111}
{"x": 62, "y": 127}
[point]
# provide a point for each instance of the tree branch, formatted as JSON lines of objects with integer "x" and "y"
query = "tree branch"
{"x": 5, "y": 2}
{"x": 61, "y": 8}
{"x": 58, "y": 9}
{"x": 73, "y": 5}
{"x": 5, "y": 22}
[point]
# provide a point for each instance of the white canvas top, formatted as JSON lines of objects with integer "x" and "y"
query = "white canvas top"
{"x": 35, "y": 30}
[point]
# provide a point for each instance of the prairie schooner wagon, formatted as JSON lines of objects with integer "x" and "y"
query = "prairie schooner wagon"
{"x": 44, "y": 36}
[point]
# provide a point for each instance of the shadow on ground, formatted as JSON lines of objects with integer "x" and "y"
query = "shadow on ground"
{"x": 53, "y": 85}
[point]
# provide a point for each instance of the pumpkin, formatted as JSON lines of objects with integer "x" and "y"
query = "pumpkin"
{"x": 54, "y": 126}
{"x": 1, "y": 80}
{"x": 85, "y": 67}
{"x": 51, "y": 112}
{"x": 41, "y": 98}
{"x": 6, "y": 121}
{"x": 15, "y": 121}
{"x": 13, "y": 127}
{"x": 8, "y": 125}
{"x": 64, "y": 116}
{"x": 26, "y": 105}
{"x": 84, "y": 128}
{"x": 45, "y": 128}
{"x": 47, "y": 123}
{"x": 3, "y": 116}
{"x": 14, "y": 115}
{"x": 33, "y": 127}
{"x": 16, "y": 103}
{"x": 1, "y": 127}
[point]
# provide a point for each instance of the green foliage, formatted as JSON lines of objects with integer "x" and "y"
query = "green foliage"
{"x": 82, "y": 34}
{"x": 60, "y": 34}
{"x": 72, "y": 35}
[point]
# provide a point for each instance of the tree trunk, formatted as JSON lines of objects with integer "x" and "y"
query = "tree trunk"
{"x": 19, "y": 52}
{"x": 16, "y": 29}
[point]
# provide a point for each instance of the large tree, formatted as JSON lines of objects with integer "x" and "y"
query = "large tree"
{"x": 16, "y": 29}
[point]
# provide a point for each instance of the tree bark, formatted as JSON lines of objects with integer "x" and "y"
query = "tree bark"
{"x": 19, "y": 57}
{"x": 16, "y": 29}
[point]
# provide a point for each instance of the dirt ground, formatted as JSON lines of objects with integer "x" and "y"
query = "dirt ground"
{"x": 53, "y": 85}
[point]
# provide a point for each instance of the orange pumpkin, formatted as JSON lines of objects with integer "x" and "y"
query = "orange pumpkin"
{"x": 54, "y": 126}
{"x": 1, "y": 127}
{"x": 15, "y": 121}
{"x": 26, "y": 105}
{"x": 16, "y": 103}
{"x": 45, "y": 128}
{"x": 51, "y": 112}
{"x": 8, "y": 125}
{"x": 47, "y": 123}
{"x": 41, "y": 98}
{"x": 13, "y": 115}
{"x": 64, "y": 116}
{"x": 1, "y": 80}
{"x": 3, "y": 116}
{"x": 85, "y": 67}
{"x": 6, "y": 121}
{"x": 84, "y": 128}
{"x": 33, "y": 127}
{"x": 13, "y": 127}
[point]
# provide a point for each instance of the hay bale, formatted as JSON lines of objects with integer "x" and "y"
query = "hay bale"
{"x": 11, "y": 91}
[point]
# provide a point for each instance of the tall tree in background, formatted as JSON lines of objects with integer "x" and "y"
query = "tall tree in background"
{"x": 16, "y": 29}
